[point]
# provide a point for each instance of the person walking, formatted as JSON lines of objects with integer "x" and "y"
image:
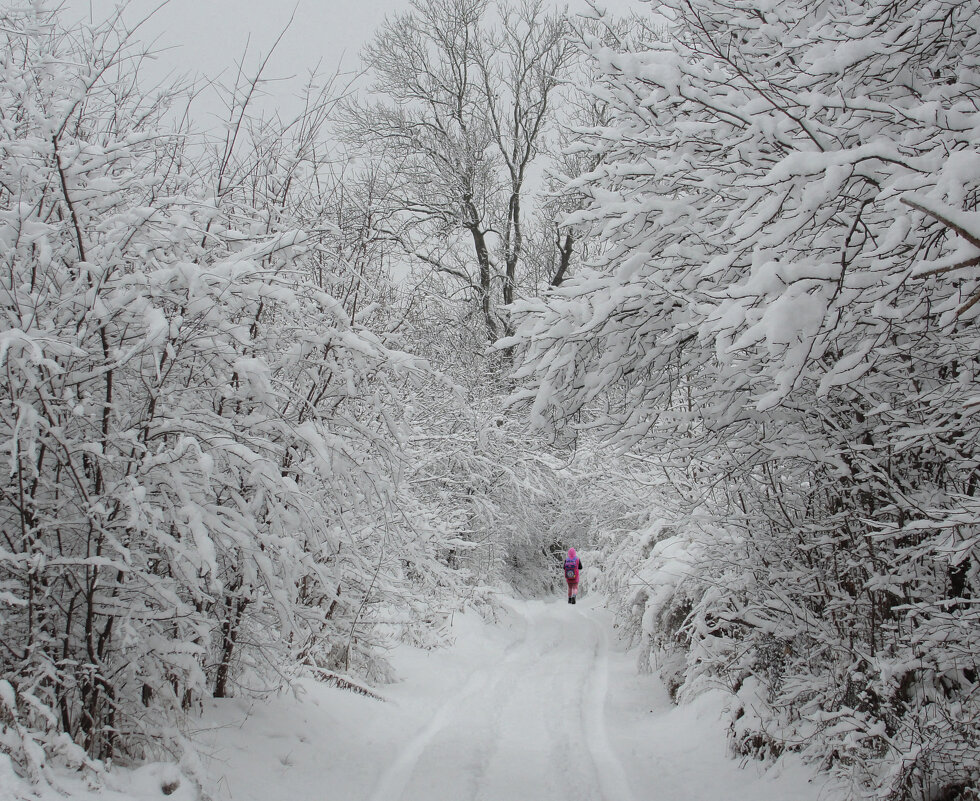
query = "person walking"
{"x": 572, "y": 567}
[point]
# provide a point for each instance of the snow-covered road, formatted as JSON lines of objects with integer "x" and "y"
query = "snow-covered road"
{"x": 543, "y": 706}
{"x": 530, "y": 724}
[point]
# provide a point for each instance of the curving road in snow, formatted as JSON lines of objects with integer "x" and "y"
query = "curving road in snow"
{"x": 545, "y": 705}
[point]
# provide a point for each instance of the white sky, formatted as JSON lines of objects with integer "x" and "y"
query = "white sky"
{"x": 207, "y": 37}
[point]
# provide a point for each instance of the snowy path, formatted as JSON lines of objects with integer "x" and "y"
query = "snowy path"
{"x": 512, "y": 726}
{"x": 541, "y": 707}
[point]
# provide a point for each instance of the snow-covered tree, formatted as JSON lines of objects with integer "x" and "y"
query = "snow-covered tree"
{"x": 462, "y": 99}
{"x": 785, "y": 318}
{"x": 203, "y": 470}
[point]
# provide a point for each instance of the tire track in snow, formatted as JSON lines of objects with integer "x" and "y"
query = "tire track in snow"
{"x": 570, "y": 746}
{"x": 395, "y": 779}
{"x": 543, "y": 752}
{"x": 534, "y": 744}
{"x": 613, "y": 784}
{"x": 485, "y": 748}
{"x": 484, "y": 757}
{"x": 538, "y": 671}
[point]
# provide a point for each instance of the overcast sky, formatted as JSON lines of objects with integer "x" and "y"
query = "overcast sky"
{"x": 207, "y": 37}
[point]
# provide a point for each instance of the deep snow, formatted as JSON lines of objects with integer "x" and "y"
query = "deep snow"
{"x": 545, "y": 704}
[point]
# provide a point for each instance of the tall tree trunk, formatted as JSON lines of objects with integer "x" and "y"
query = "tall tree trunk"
{"x": 486, "y": 278}
{"x": 514, "y": 243}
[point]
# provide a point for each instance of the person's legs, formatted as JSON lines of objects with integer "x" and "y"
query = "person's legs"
{"x": 572, "y": 591}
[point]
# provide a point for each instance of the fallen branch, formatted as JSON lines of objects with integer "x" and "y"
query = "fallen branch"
{"x": 336, "y": 680}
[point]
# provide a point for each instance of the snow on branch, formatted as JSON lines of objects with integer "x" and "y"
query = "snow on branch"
{"x": 964, "y": 223}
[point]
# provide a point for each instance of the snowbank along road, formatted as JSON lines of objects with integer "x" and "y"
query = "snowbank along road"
{"x": 543, "y": 706}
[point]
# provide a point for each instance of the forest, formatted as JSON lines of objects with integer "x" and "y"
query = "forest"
{"x": 696, "y": 291}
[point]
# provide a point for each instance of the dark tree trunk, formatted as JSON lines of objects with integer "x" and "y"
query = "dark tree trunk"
{"x": 486, "y": 280}
{"x": 564, "y": 258}
{"x": 229, "y": 634}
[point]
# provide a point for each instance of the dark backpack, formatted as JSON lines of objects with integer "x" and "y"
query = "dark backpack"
{"x": 571, "y": 569}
